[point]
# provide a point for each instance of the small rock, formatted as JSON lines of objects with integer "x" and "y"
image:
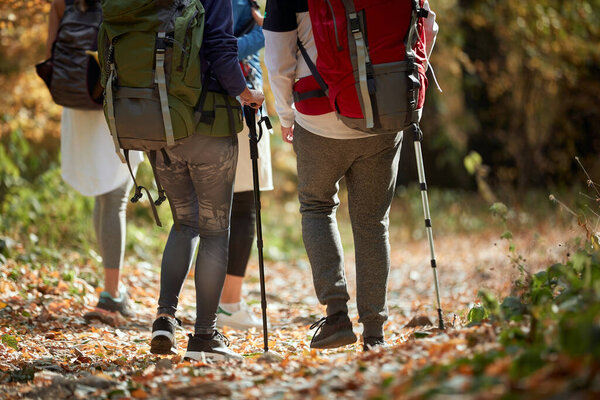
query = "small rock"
{"x": 96, "y": 382}
{"x": 46, "y": 377}
{"x": 164, "y": 364}
{"x": 420, "y": 320}
{"x": 219, "y": 389}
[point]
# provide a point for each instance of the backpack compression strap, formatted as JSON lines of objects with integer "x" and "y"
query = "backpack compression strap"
{"x": 161, "y": 192}
{"x": 110, "y": 109}
{"x": 363, "y": 59}
{"x": 298, "y": 97}
{"x": 138, "y": 190}
{"x": 160, "y": 79}
{"x": 415, "y": 85}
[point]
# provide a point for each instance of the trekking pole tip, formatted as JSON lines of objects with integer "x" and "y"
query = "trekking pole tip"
{"x": 440, "y": 319}
{"x": 270, "y": 357}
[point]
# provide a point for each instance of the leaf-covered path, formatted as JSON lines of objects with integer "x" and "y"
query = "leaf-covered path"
{"x": 48, "y": 351}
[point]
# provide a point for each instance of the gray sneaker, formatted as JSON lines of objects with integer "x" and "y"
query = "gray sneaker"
{"x": 372, "y": 342}
{"x": 332, "y": 331}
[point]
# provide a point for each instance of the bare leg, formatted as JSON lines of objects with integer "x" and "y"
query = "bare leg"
{"x": 111, "y": 281}
{"x": 232, "y": 290}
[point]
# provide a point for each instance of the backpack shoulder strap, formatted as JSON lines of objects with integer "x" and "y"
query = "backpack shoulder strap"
{"x": 311, "y": 66}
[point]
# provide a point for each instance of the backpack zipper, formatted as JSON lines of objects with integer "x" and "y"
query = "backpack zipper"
{"x": 337, "y": 40}
{"x": 185, "y": 40}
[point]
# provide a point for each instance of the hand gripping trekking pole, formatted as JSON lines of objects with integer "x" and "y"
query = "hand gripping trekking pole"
{"x": 250, "y": 117}
{"x": 418, "y": 138}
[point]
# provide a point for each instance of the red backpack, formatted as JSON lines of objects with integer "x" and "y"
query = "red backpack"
{"x": 373, "y": 80}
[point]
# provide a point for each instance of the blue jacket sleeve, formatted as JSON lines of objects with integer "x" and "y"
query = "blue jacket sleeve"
{"x": 219, "y": 47}
{"x": 251, "y": 43}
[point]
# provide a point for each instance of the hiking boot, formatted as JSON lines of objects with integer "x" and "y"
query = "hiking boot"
{"x": 332, "y": 331}
{"x": 108, "y": 308}
{"x": 213, "y": 349}
{"x": 242, "y": 319}
{"x": 163, "y": 335}
{"x": 371, "y": 342}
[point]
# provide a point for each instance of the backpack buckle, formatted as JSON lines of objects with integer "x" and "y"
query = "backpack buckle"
{"x": 138, "y": 194}
{"x": 161, "y": 42}
{"x": 161, "y": 198}
{"x": 354, "y": 23}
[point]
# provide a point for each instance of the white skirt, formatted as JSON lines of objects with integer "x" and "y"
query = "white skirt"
{"x": 243, "y": 173}
{"x": 89, "y": 162}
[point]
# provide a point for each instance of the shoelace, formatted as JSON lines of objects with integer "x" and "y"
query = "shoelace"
{"x": 216, "y": 336}
{"x": 319, "y": 324}
{"x": 219, "y": 335}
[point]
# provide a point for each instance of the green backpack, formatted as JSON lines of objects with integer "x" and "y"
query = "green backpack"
{"x": 154, "y": 90}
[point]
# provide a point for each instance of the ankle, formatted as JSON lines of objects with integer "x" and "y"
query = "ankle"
{"x": 231, "y": 307}
{"x": 205, "y": 335}
{"x": 163, "y": 315}
{"x": 373, "y": 329}
{"x": 335, "y": 306}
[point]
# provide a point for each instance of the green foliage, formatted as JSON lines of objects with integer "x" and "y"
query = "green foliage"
{"x": 563, "y": 299}
{"x": 477, "y": 314}
{"x": 10, "y": 341}
{"x": 30, "y": 212}
{"x": 472, "y": 161}
{"x": 520, "y": 89}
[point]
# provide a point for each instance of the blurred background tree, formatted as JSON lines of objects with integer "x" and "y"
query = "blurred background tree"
{"x": 521, "y": 88}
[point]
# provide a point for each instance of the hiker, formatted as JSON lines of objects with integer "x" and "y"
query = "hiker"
{"x": 328, "y": 150}
{"x": 197, "y": 174}
{"x": 89, "y": 163}
{"x": 233, "y": 311}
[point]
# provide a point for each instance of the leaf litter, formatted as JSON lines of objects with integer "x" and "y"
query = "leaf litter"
{"x": 49, "y": 351}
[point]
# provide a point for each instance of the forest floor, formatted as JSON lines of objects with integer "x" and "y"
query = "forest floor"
{"x": 49, "y": 351}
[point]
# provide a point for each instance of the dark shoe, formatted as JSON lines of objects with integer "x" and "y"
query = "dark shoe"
{"x": 370, "y": 342}
{"x": 163, "y": 335}
{"x": 332, "y": 331}
{"x": 108, "y": 308}
{"x": 213, "y": 349}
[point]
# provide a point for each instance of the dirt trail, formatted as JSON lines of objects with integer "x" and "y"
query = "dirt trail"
{"x": 56, "y": 354}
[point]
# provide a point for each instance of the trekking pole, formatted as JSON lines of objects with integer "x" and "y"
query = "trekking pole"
{"x": 250, "y": 117}
{"x": 418, "y": 138}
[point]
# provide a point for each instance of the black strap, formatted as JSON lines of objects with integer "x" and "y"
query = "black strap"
{"x": 138, "y": 190}
{"x": 161, "y": 192}
{"x": 229, "y": 114}
{"x": 298, "y": 97}
{"x": 198, "y": 112}
{"x": 250, "y": 25}
{"x": 166, "y": 158}
{"x": 246, "y": 29}
{"x": 312, "y": 66}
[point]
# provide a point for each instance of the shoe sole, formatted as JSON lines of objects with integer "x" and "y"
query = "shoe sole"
{"x": 235, "y": 325}
{"x": 161, "y": 344}
{"x": 106, "y": 317}
{"x": 336, "y": 340}
{"x": 206, "y": 356}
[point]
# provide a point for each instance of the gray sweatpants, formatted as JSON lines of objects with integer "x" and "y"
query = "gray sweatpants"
{"x": 370, "y": 167}
{"x": 199, "y": 183}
